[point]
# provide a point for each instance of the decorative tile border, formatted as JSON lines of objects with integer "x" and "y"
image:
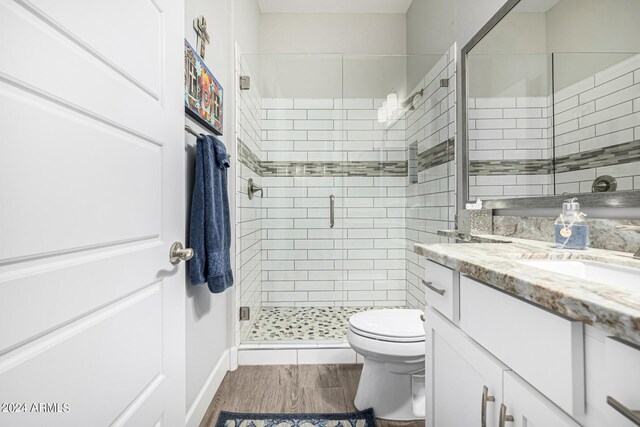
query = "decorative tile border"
{"x": 510, "y": 167}
{"x": 248, "y": 158}
{"x": 340, "y": 168}
{"x": 435, "y": 156}
{"x": 627, "y": 152}
{"x": 371, "y": 168}
{"x": 438, "y": 155}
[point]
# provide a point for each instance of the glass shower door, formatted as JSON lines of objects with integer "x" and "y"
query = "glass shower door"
{"x": 300, "y": 217}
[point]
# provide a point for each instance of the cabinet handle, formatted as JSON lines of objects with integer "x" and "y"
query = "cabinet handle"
{"x": 422, "y": 317}
{"x": 485, "y": 398}
{"x": 503, "y": 416}
{"x": 433, "y": 288}
{"x": 634, "y": 416}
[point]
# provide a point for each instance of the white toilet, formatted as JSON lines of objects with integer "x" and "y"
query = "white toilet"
{"x": 392, "y": 380}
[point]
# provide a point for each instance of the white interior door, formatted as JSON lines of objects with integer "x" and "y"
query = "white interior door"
{"x": 91, "y": 198}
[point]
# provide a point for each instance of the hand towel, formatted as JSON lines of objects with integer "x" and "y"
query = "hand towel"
{"x": 210, "y": 227}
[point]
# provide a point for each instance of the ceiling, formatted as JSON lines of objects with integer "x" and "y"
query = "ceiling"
{"x": 534, "y": 6}
{"x": 334, "y": 6}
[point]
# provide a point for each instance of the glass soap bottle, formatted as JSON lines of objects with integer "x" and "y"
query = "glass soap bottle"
{"x": 571, "y": 228}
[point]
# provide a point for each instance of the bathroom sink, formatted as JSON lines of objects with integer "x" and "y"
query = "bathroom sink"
{"x": 612, "y": 275}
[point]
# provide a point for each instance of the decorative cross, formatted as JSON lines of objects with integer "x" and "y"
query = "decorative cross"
{"x": 193, "y": 77}
{"x": 200, "y": 25}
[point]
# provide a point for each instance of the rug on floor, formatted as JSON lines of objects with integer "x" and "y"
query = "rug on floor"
{"x": 352, "y": 419}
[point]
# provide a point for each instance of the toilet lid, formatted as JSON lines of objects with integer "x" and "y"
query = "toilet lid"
{"x": 389, "y": 324}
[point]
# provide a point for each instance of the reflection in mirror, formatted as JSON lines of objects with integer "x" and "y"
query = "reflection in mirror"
{"x": 553, "y": 101}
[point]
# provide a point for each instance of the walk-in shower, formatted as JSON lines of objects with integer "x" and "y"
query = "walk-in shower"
{"x": 354, "y": 155}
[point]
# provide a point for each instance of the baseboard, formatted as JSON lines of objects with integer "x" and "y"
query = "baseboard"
{"x": 233, "y": 358}
{"x": 296, "y": 354}
{"x": 199, "y": 407}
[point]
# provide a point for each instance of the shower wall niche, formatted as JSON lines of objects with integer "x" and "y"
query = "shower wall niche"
{"x": 335, "y": 127}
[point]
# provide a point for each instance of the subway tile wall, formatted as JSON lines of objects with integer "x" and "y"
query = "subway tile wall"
{"x": 599, "y": 117}
{"x": 249, "y": 213}
{"x": 596, "y": 132}
{"x": 361, "y": 261}
{"x": 430, "y": 203}
{"x": 505, "y": 135}
{"x": 304, "y": 150}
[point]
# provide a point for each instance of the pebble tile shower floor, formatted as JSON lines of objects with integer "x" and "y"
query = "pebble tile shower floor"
{"x": 302, "y": 323}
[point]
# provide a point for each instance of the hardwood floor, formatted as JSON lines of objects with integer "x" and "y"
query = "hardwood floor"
{"x": 290, "y": 388}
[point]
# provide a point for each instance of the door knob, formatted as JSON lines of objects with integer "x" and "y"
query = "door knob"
{"x": 179, "y": 253}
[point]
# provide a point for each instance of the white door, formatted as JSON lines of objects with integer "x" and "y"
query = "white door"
{"x": 464, "y": 382}
{"x": 91, "y": 198}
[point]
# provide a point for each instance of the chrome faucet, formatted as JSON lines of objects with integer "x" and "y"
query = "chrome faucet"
{"x": 631, "y": 227}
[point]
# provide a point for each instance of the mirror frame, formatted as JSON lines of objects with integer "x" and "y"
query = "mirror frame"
{"x": 622, "y": 199}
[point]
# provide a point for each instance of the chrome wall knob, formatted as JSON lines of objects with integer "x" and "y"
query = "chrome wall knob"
{"x": 179, "y": 253}
{"x": 253, "y": 188}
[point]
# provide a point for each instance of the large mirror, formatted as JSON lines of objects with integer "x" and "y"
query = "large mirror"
{"x": 552, "y": 102}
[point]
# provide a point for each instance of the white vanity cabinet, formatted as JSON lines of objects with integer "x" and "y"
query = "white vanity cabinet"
{"x": 463, "y": 381}
{"x": 540, "y": 369}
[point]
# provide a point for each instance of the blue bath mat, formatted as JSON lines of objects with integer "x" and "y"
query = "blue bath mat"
{"x": 352, "y": 419}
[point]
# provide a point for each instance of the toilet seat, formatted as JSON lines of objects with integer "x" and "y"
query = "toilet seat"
{"x": 393, "y": 325}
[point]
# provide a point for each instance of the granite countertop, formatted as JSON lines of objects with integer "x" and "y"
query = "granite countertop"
{"x": 494, "y": 261}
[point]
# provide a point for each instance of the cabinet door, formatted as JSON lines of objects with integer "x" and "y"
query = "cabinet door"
{"x": 528, "y": 407}
{"x": 458, "y": 370}
{"x": 622, "y": 383}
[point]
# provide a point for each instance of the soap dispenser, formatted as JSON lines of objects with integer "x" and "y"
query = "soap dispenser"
{"x": 571, "y": 229}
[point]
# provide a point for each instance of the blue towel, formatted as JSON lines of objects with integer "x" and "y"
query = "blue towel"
{"x": 210, "y": 228}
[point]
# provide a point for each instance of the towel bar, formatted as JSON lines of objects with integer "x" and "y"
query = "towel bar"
{"x": 188, "y": 129}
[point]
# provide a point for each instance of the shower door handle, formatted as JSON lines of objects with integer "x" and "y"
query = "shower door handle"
{"x": 332, "y": 217}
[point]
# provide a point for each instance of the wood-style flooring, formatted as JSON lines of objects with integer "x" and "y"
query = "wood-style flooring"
{"x": 290, "y": 389}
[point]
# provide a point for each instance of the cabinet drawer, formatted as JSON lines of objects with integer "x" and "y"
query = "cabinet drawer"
{"x": 545, "y": 349}
{"x": 622, "y": 382}
{"x": 442, "y": 289}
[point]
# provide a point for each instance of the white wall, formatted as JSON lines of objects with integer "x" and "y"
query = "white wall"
{"x": 209, "y": 322}
{"x": 512, "y": 59}
{"x": 206, "y": 313}
{"x": 319, "y": 76}
{"x": 594, "y": 26}
{"x": 578, "y": 26}
{"x": 333, "y": 33}
{"x": 247, "y": 17}
{"x": 434, "y": 25}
